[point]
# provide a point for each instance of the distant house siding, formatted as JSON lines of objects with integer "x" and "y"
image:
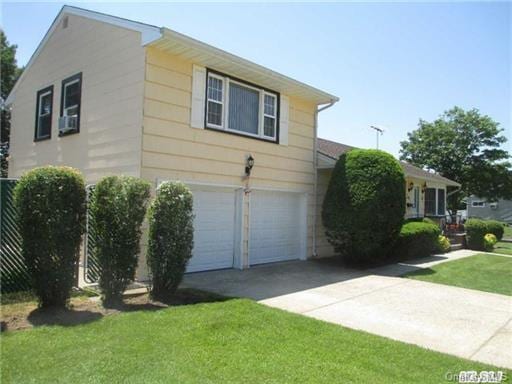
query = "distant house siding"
{"x": 173, "y": 150}
{"x": 502, "y": 211}
{"x": 111, "y": 60}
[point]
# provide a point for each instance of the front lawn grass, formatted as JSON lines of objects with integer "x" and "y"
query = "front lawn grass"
{"x": 508, "y": 232}
{"x": 235, "y": 341}
{"x": 503, "y": 247}
{"x": 483, "y": 272}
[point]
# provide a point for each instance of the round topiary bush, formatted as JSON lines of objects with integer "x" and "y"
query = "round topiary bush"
{"x": 171, "y": 234}
{"x": 364, "y": 206}
{"x": 443, "y": 244}
{"x": 490, "y": 241}
{"x": 476, "y": 229}
{"x": 118, "y": 206}
{"x": 50, "y": 202}
{"x": 496, "y": 228}
{"x": 417, "y": 239}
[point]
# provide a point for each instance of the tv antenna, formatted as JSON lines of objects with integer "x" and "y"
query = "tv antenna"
{"x": 379, "y": 131}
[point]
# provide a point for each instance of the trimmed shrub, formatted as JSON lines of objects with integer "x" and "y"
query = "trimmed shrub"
{"x": 490, "y": 241}
{"x": 476, "y": 229}
{"x": 496, "y": 228}
{"x": 443, "y": 244}
{"x": 417, "y": 239}
{"x": 364, "y": 205}
{"x": 118, "y": 206}
{"x": 51, "y": 214}
{"x": 171, "y": 234}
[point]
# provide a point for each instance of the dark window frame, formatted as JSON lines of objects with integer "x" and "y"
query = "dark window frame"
{"x": 439, "y": 200}
{"x": 79, "y": 109}
{"x": 233, "y": 132}
{"x": 38, "y": 98}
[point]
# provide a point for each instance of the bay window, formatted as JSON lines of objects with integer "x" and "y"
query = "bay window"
{"x": 238, "y": 107}
{"x": 435, "y": 202}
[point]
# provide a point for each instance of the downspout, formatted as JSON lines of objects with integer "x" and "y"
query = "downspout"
{"x": 315, "y": 165}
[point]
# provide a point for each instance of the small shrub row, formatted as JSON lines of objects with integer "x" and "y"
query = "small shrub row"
{"x": 476, "y": 229}
{"x": 51, "y": 204}
{"x": 417, "y": 239}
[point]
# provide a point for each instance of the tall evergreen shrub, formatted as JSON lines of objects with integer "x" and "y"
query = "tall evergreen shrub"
{"x": 50, "y": 202}
{"x": 118, "y": 206}
{"x": 171, "y": 235}
{"x": 364, "y": 205}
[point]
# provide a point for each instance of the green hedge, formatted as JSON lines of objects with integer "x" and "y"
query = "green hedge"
{"x": 417, "y": 239}
{"x": 476, "y": 229}
{"x": 118, "y": 206}
{"x": 364, "y": 205}
{"x": 497, "y": 228}
{"x": 171, "y": 234}
{"x": 50, "y": 202}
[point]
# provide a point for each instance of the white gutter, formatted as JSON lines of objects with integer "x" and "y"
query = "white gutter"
{"x": 315, "y": 164}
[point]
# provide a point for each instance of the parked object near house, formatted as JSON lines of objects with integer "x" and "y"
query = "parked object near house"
{"x": 500, "y": 210}
{"x": 112, "y": 96}
{"x": 425, "y": 191}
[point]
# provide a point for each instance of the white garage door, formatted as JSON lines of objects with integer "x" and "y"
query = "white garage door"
{"x": 214, "y": 229}
{"x": 277, "y": 222}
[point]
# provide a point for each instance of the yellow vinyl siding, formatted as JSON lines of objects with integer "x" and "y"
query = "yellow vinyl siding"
{"x": 172, "y": 149}
{"x": 111, "y": 60}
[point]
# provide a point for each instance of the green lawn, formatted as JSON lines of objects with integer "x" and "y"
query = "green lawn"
{"x": 483, "y": 272}
{"x": 508, "y": 232}
{"x": 503, "y": 247}
{"x": 236, "y": 341}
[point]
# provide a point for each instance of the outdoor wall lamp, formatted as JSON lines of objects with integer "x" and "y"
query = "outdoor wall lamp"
{"x": 248, "y": 165}
{"x": 424, "y": 187}
{"x": 411, "y": 186}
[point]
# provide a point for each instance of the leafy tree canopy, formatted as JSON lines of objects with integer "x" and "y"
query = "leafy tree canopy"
{"x": 466, "y": 147}
{"x": 9, "y": 74}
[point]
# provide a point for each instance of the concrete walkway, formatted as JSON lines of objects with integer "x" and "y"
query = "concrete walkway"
{"x": 467, "y": 323}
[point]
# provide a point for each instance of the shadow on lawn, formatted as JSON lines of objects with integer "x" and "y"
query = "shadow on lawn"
{"x": 83, "y": 311}
{"x": 63, "y": 317}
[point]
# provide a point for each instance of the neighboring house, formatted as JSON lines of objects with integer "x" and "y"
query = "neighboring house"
{"x": 112, "y": 96}
{"x": 425, "y": 191}
{"x": 497, "y": 210}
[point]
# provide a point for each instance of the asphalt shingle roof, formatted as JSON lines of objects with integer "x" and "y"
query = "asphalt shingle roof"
{"x": 333, "y": 150}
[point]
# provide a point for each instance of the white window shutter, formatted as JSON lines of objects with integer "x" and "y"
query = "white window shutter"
{"x": 198, "y": 96}
{"x": 284, "y": 117}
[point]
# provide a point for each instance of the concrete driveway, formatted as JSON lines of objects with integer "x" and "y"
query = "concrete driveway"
{"x": 467, "y": 323}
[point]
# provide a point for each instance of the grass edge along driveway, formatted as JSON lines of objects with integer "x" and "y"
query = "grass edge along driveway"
{"x": 237, "y": 340}
{"x": 483, "y": 272}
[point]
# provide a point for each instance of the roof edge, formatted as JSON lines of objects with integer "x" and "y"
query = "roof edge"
{"x": 218, "y": 52}
{"x": 149, "y": 33}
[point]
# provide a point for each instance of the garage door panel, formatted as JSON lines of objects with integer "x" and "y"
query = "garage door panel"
{"x": 214, "y": 230}
{"x": 276, "y": 227}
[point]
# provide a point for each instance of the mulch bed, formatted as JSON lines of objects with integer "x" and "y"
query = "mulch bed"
{"x": 81, "y": 310}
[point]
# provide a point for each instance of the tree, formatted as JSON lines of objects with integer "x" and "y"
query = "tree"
{"x": 363, "y": 208}
{"x": 466, "y": 147}
{"x": 9, "y": 74}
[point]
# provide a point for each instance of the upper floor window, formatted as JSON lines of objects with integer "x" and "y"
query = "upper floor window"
{"x": 44, "y": 108}
{"x": 242, "y": 108}
{"x": 71, "y": 96}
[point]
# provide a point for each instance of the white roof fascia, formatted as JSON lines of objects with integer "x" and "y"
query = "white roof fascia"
{"x": 218, "y": 54}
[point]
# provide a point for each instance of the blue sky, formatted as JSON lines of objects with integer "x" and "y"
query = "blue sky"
{"x": 390, "y": 63}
